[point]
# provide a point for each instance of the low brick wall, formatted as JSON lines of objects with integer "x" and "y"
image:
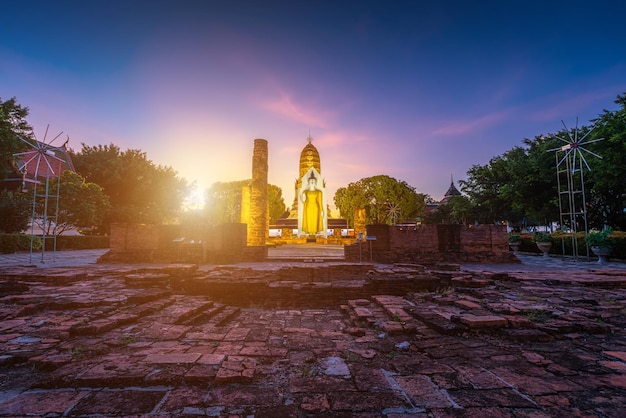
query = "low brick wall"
{"x": 433, "y": 244}
{"x": 142, "y": 243}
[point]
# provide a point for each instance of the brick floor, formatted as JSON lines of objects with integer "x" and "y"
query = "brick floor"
{"x": 545, "y": 338}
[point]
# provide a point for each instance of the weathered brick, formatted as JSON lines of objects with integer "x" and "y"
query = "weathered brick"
{"x": 483, "y": 321}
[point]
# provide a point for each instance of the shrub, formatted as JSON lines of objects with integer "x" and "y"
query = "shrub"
{"x": 12, "y": 243}
{"x": 79, "y": 242}
{"x": 601, "y": 239}
{"x": 620, "y": 246}
{"x": 542, "y": 237}
{"x": 562, "y": 244}
{"x": 515, "y": 237}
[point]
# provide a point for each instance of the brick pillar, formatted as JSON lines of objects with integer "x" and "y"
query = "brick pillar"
{"x": 257, "y": 229}
{"x": 359, "y": 222}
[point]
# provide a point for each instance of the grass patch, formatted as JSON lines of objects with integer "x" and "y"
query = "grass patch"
{"x": 537, "y": 315}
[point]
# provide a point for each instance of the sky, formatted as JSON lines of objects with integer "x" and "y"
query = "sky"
{"x": 411, "y": 89}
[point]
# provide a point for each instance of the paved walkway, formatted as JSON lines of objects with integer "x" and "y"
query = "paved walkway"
{"x": 295, "y": 254}
{"x": 532, "y": 262}
{"x": 52, "y": 259}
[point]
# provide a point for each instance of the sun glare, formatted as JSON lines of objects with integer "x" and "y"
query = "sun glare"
{"x": 195, "y": 199}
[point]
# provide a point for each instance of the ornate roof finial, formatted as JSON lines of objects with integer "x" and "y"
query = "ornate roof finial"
{"x": 309, "y": 138}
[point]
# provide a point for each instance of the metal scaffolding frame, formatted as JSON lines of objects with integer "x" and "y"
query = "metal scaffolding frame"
{"x": 570, "y": 171}
{"x": 40, "y": 166}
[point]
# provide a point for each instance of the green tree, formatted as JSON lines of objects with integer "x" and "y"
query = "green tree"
{"x": 139, "y": 190}
{"x": 224, "y": 201}
{"x": 606, "y": 181}
{"x": 532, "y": 187}
{"x": 441, "y": 215}
{"x": 462, "y": 210}
{"x": 385, "y": 200}
{"x": 277, "y": 203}
{"x": 521, "y": 184}
{"x": 458, "y": 210}
{"x": 15, "y": 211}
{"x": 15, "y": 207}
{"x": 81, "y": 204}
{"x": 12, "y": 125}
{"x": 516, "y": 186}
{"x": 484, "y": 186}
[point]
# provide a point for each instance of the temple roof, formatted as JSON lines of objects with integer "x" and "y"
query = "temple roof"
{"x": 309, "y": 157}
{"x": 452, "y": 191}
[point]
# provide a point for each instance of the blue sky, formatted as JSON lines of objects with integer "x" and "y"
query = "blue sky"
{"x": 408, "y": 89}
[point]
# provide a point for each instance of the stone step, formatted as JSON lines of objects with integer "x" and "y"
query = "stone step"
{"x": 385, "y": 313}
{"x": 119, "y": 317}
{"x": 439, "y": 323}
{"x": 185, "y": 308}
{"x": 397, "y": 309}
{"x": 148, "y": 295}
{"x": 147, "y": 279}
{"x": 207, "y": 314}
{"x": 225, "y": 316}
{"x": 363, "y": 312}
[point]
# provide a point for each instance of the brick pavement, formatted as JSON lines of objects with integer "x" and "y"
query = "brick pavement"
{"x": 541, "y": 339}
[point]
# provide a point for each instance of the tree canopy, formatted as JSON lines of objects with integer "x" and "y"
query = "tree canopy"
{"x": 81, "y": 204}
{"x": 139, "y": 190}
{"x": 12, "y": 125}
{"x": 521, "y": 184}
{"x": 385, "y": 200}
{"x": 277, "y": 202}
{"x": 15, "y": 211}
{"x": 607, "y": 179}
{"x": 224, "y": 202}
{"x": 518, "y": 185}
{"x": 15, "y": 206}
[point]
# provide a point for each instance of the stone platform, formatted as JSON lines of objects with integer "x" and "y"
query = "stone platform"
{"x": 543, "y": 338}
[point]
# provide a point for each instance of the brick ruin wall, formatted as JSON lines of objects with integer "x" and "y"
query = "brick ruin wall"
{"x": 145, "y": 243}
{"x": 425, "y": 244}
{"x": 433, "y": 244}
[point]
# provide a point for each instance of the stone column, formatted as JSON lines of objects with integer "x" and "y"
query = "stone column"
{"x": 257, "y": 229}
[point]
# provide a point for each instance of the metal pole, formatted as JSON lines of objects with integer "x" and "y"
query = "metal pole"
{"x": 584, "y": 206}
{"x": 44, "y": 233}
{"x": 56, "y": 219}
{"x": 32, "y": 222}
{"x": 572, "y": 205}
